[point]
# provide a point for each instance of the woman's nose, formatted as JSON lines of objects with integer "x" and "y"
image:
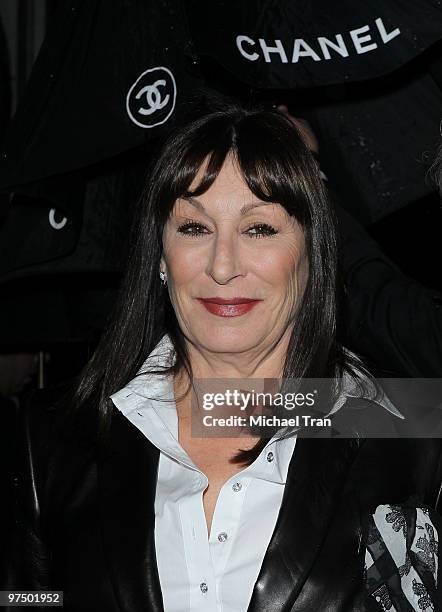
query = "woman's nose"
{"x": 224, "y": 259}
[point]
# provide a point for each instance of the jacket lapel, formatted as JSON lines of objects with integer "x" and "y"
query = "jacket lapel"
{"x": 315, "y": 481}
{"x": 127, "y": 476}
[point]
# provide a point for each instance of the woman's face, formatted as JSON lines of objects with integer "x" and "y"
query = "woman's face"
{"x": 228, "y": 246}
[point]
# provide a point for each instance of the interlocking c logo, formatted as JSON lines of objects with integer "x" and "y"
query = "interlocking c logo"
{"x": 151, "y": 99}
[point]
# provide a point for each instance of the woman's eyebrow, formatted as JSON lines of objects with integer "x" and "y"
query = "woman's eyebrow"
{"x": 243, "y": 210}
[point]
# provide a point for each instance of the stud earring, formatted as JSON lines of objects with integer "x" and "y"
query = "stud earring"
{"x": 163, "y": 277}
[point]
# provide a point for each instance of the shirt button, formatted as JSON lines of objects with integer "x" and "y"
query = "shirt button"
{"x": 222, "y": 537}
{"x": 237, "y": 486}
{"x": 204, "y": 588}
{"x": 270, "y": 457}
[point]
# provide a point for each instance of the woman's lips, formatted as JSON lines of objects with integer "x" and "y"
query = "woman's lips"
{"x": 228, "y": 308}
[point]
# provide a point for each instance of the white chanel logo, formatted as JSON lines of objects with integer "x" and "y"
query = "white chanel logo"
{"x": 153, "y": 97}
{"x": 159, "y": 94}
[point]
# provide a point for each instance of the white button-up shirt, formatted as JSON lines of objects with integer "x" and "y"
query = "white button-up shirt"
{"x": 201, "y": 572}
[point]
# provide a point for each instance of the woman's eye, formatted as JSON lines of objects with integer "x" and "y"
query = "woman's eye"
{"x": 192, "y": 229}
{"x": 261, "y": 229}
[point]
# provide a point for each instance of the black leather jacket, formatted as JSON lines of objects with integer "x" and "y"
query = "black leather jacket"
{"x": 85, "y": 517}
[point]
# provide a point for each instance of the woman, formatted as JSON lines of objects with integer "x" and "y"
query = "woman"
{"x": 232, "y": 276}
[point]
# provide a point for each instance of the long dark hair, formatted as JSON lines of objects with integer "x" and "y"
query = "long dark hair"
{"x": 277, "y": 167}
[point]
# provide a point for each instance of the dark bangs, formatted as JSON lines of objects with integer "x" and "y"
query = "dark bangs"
{"x": 269, "y": 152}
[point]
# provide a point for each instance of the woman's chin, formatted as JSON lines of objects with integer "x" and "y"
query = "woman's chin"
{"x": 221, "y": 339}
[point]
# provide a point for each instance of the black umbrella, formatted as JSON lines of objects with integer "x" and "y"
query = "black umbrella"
{"x": 365, "y": 75}
{"x": 109, "y": 76}
{"x": 60, "y": 272}
{"x": 110, "y": 79}
{"x": 39, "y": 237}
{"x": 286, "y": 44}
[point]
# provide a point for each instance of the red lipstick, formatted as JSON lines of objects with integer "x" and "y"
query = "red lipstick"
{"x": 228, "y": 307}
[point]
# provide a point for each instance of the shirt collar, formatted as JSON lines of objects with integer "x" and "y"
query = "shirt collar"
{"x": 151, "y": 395}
